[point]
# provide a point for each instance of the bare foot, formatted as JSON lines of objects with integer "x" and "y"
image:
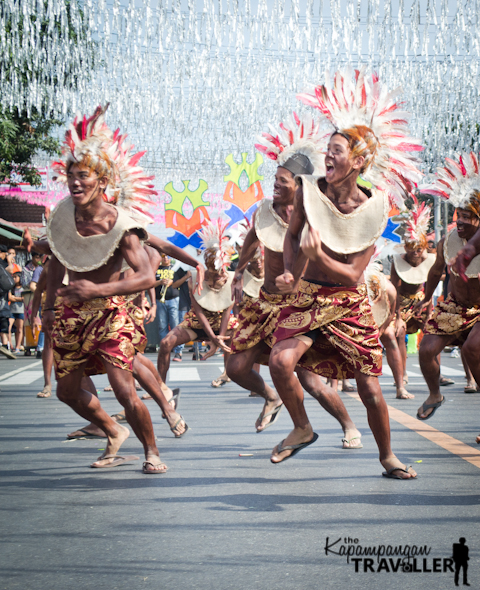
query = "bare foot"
{"x": 352, "y": 439}
{"x": 263, "y": 420}
{"x": 296, "y": 437}
{"x": 153, "y": 464}
{"x": 113, "y": 446}
{"x": 146, "y": 396}
{"x": 397, "y": 469}
{"x": 89, "y": 429}
{"x": 178, "y": 428}
{"x": 402, "y": 393}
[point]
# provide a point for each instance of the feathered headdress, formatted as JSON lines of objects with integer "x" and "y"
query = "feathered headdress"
{"x": 459, "y": 183}
{"x": 89, "y": 141}
{"x": 416, "y": 226}
{"x": 215, "y": 243}
{"x": 363, "y": 111}
{"x": 295, "y": 136}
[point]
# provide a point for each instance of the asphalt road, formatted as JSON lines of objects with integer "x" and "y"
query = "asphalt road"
{"x": 217, "y": 520}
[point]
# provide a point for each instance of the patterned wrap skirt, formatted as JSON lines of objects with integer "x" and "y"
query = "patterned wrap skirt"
{"x": 450, "y": 318}
{"x": 214, "y": 318}
{"x": 103, "y": 329}
{"x": 340, "y": 322}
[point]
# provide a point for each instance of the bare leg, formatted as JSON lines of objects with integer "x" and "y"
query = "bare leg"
{"x": 395, "y": 362}
{"x": 283, "y": 360}
{"x": 333, "y": 384}
{"x": 88, "y": 385}
{"x": 47, "y": 362}
{"x": 471, "y": 383}
{"x": 136, "y": 413}
{"x": 224, "y": 378}
{"x": 149, "y": 380}
{"x": 19, "y": 334}
{"x": 85, "y": 404}
{"x": 378, "y": 420}
{"x": 332, "y": 403}
{"x": 173, "y": 338}
{"x": 402, "y": 347}
{"x": 471, "y": 350}
{"x": 240, "y": 369}
{"x": 429, "y": 356}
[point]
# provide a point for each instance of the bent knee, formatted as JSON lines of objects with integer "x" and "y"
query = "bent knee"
{"x": 281, "y": 362}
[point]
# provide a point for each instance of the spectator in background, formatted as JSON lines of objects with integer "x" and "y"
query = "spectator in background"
{"x": 180, "y": 282}
{"x": 167, "y": 302}
{"x": 7, "y": 268}
{"x": 29, "y": 270}
{"x": 17, "y": 310}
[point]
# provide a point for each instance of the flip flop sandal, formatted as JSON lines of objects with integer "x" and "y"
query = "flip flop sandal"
{"x": 174, "y": 427}
{"x": 426, "y": 406}
{"x": 274, "y": 417}
{"x": 108, "y": 388}
{"x": 294, "y": 448}
{"x": 175, "y": 398}
{"x": 444, "y": 381}
{"x": 391, "y": 475}
{"x": 220, "y": 382}
{"x": 470, "y": 390}
{"x": 152, "y": 471}
{"x": 46, "y": 392}
{"x": 349, "y": 440}
{"x": 120, "y": 417}
{"x": 117, "y": 460}
{"x": 146, "y": 396}
{"x": 349, "y": 388}
{"x": 85, "y": 435}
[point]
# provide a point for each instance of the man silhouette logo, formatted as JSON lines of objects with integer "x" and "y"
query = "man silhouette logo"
{"x": 460, "y": 557}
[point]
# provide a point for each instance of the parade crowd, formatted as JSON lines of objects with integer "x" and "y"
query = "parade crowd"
{"x": 308, "y": 296}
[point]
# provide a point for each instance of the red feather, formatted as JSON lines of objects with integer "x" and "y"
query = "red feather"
{"x": 295, "y": 116}
{"x": 474, "y": 160}
{"x": 410, "y": 147}
{"x": 84, "y": 128}
{"x": 136, "y": 158}
{"x": 462, "y": 166}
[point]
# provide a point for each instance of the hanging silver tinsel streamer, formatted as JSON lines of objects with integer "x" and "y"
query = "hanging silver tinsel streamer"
{"x": 195, "y": 80}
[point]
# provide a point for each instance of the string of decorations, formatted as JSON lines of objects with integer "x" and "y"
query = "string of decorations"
{"x": 196, "y": 80}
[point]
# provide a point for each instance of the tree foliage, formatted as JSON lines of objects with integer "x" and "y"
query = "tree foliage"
{"x": 24, "y": 134}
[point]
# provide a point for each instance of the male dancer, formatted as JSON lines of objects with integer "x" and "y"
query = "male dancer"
{"x": 329, "y": 328}
{"x": 92, "y": 238}
{"x": 455, "y": 320}
{"x": 295, "y": 154}
{"x": 408, "y": 275}
{"x": 210, "y": 317}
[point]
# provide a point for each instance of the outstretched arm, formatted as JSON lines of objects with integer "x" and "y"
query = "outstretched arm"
{"x": 434, "y": 276}
{"x": 175, "y": 252}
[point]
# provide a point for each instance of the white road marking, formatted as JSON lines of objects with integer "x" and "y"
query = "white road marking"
{"x": 7, "y": 375}
{"x": 451, "y": 372}
{"x": 24, "y": 378}
{"x": 183, "y": 374}
{"x": 387, "y": 371}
